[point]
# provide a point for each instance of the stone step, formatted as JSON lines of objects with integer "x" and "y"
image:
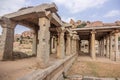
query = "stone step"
{"x": 80, "y": 77}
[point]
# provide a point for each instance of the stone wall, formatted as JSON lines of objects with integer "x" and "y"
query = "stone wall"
{"x": 53, "y": 72}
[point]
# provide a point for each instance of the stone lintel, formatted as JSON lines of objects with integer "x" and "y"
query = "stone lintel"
{"x": 28, "y": 24}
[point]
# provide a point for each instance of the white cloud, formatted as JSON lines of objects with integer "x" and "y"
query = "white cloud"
{"x": 75, "y": 6}
{"x": 8, "y": 6}
{"x": 112, "y": 13}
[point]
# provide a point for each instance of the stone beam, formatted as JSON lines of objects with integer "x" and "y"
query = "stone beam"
{"x": 28, "y": 24}
{"x": 56, "y": 20}
{"x": 96, "y": 28}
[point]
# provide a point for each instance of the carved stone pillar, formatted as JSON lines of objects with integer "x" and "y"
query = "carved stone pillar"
{"x": 74, "y": 43}
{"x": 117, "y": 55}
{"x": 90, "y": 45}
{"x": 68, "y": 47}
{"x": 61, "y": 46}
{"x": 80, "y": 45}
{"x": 34, "y": 45}
{"x": 111, "y": 49}
{"x": 43, "y": 48}
{"x": 99, "y": 48}
{"x": 107, "y": 46}
{"x": 93, "y": 54}
{"x": 7, "y": 38}
{"x": 104, "y": 51}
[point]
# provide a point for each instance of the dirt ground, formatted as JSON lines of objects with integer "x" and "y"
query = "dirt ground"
{"x": 12, "y": 70}
{"x": 100, "y": 68}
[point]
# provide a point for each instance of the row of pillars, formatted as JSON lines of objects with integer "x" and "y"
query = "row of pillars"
{"x": 105, "y": 50}
{"x": 106, "y": 46}
{"x": 41, "y": 41}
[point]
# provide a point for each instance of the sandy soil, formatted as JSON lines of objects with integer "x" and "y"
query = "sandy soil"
{"x": 100, "y": 68}
{"x": 12, "y": 70}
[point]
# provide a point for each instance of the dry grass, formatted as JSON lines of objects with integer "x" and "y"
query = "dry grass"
{"x": 92, "y": 68}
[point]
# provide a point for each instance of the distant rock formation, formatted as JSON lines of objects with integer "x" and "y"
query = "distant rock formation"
{"x": 27, "y": 34}
{"x": 80, "y": 24}
{"x": 24, "y": 38}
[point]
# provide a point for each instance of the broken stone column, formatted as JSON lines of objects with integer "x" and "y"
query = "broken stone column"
{"x": 61, "y": 43}
{"x": 93, "y": 54}
{"x": 7, "y": 38}
{"x": 43, "y": 48}
{"x": 68, "y": 47}
{"x": 117, "y": 55}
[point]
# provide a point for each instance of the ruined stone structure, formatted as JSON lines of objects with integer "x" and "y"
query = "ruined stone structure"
{"x": 52, "y": 35}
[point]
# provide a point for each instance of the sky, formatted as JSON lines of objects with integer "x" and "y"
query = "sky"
{"x": 85, "y": 10}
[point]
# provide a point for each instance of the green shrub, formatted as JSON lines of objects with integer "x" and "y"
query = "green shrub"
{"x": 118, "y": 38}
{"x": 81, "y": 25}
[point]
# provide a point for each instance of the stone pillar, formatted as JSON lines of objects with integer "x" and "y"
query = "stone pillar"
{"x": 93, "y": 54}
{"x": 43, "y": 48}
{"x": 52, "y": 44}
{"x": 34, "y": 45}
{"x": 68, "y": 47}
{"x": 61, "y": 45}
{"x": 7, "y": 38}
{"x": 117, "y": 55}
{"x": 74, "y": 43}
{"x": 104, "y": 51}
{"x": 107, "y": 45}
{"x": 111, "y": 49}
{"x": 80, "y": 45}
{"x": 90, "y": 46}
{"x": 99, "y": 47}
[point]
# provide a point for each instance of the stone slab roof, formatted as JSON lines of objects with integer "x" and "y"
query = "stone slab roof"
{"x": 40, "y": 8}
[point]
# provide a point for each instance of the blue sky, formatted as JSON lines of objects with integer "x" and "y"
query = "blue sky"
{"x": 85, "y": 10}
